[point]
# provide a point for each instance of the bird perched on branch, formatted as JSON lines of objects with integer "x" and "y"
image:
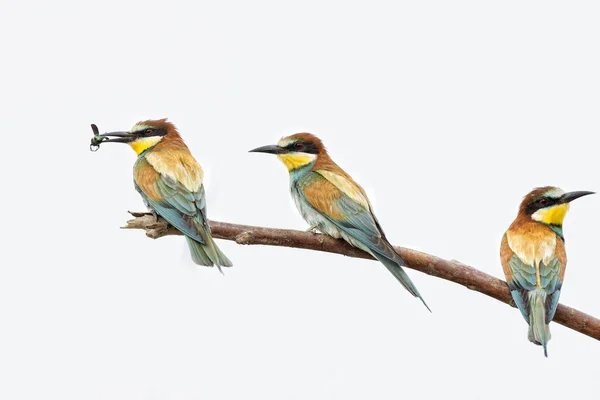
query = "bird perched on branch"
{"x": 534, "y": 259}
{"x": 170, "y": 182}
{"x": 331, "y": 202}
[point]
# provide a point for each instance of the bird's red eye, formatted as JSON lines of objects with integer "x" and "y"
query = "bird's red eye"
{"x": 543, "y": 202}
{"x": 148, "y": 131}
{"x": 298, "y": 146}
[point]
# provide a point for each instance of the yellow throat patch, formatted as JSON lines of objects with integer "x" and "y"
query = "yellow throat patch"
{"x": 142, "y": 144}
{"x": 553, "y": 215}
{"x": 296, "y": 160}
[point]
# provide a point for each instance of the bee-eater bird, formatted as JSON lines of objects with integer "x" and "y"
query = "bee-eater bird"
{"x": 331, "y": 202}
{"x": 534, "y": 259}
{"x": 170, "y": 182}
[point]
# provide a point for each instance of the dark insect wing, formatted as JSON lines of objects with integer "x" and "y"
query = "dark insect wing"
{"x": 96, "y": 139}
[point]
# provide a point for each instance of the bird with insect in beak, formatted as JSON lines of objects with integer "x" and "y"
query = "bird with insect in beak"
{"x": 170, "y": 182}
{"x": 534, "y": 259}
{"x": 331, "y": 202}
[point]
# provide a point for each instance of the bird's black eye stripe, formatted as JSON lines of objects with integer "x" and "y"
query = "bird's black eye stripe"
{"x": 540, "y": 203}
{"x": 152, "y": 132}
{"x": 303, "y": 147}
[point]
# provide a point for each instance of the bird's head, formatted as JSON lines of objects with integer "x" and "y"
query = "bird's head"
{"x": 144, "y": 135}
{"x": 296, "y": 151}
{"x": 549, "y": 204}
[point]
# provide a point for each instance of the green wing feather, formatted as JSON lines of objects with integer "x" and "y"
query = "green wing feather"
{"x": 360, "y": 224}
{"x": 183, "y": 209}
{"x": 524, "y": 279}
{"x": 550, "y": 279}
{"x": 186, "y": 211}
{"x": 358, "y": 221}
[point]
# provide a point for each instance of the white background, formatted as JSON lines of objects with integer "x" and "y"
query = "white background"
{"x": 448, "y": 113}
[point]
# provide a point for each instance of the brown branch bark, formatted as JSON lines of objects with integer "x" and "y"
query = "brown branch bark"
{"x": 450, "y": 270}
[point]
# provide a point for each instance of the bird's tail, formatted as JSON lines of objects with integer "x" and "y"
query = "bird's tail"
{"x": 208, "y": 254}
{"x": 539, "y": 331}
{"x": 395, "y": 267}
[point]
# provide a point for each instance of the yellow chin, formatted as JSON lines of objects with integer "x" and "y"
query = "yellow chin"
{"x": 553, "y": 215}
{"x": 142, "y": 144}
{"x": 296, "y": 160}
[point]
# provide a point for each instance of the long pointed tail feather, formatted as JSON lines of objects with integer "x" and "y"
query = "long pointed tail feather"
{"x": 539, "y": 331}
{"x": 208, "y": 254}
{"x": 396, "y": 269}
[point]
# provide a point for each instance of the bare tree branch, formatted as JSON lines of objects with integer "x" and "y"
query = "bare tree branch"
{"x": 450, "y": 270}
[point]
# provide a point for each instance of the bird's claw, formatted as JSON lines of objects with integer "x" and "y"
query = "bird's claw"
{"x": 155, "y": 215}
{"x": 313, "y": 229}
{"x": 138, "y": 214}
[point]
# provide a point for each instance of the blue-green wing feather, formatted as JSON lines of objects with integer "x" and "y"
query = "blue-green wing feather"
{"x": 550, "y": 280}
{"x": 524, "y": 280}
{"x": 360, "y": 224}
{"x": 183, "y": 209}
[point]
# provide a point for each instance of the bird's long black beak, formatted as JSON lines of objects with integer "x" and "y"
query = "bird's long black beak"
{"x": 569, "y": 197}
{"x": 115, "y": 137}
{"x": 271, "y": 149}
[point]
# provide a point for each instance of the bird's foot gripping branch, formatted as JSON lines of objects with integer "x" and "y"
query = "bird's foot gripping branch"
{"x": 453, "y": 271}
{"x": 154, "y": 226}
